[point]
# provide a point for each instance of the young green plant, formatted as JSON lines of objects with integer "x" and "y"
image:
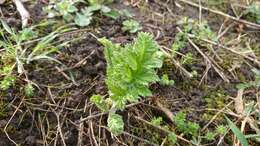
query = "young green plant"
{"x": 130, "y": 71}
{"x": 69, "y": 11}
{"x": 131, "y": 26}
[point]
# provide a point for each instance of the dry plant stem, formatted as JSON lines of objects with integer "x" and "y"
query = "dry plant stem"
{"x": 254, "y": 60}
{"x": 253, "y": 25}
{"x": 135, "y": 137}
{"x": 239, "y": 104}
{"x": 91, "y": 130}
{"x": 188, "y": 74}
{"x": 144, "y": 140}
{"x": 220, "y": 73}
{"x": 164, "y": 141}
{"x": 63, "y": 74}
{"x": 166, "y": 111}
{"x": 161, "y": 129}
{"x": 80, "y": 134}
{"x": 239, "y": 107}
{"x": 42, "y": 129}
{"x": 81, "y": 62}
{"x": 215, "y": 116}
{"x": 25, "y": 16}
{"x": 7, "y": 135}
{"x": 59, "y": 124}
{"x": 205, "y": 73}
{"x": 208, "y": 60}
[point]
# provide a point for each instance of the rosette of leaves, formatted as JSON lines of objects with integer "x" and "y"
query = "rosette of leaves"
{"x": 130, "y": 70}
{"x": 131, "y": 26}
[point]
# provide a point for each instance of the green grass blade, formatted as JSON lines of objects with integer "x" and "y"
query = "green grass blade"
{"x": 241, "y": 137}
{"x": 253, "y": 136}
{"x": 6, "y": 27}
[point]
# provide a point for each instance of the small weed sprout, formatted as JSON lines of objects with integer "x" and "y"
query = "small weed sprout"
{"x": 194, "y": 28}
{"x": 166, "y": 81}
{"x": 29, "y": 90}
{"x": 157, "y": 121}
{"x": 131, "y": 26}
{"x": 184, "y": 126}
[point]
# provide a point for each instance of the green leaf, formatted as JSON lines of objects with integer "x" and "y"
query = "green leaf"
{"x": 92, "y": 8}
{"x": 125, "y": 13}
{"x": 6, "y": 27}
{"x": 115, "y": 123}
{"x": 240, "y": 136}
{"x": 105, "y": 9}
{"x": 82, "y": 20}
{"x": 184, "y": 126}
{"x": 72, "y": 8}
{"x": 131, "y": 26}
{"x": 7, "y": 82}
{"x": 221, "y": 129}
{"x": 172, "y": 138}
{"x": 157, "y": 121}
{"x": 26, "y": 34}
{"x": 112, "y": 14}
{"x": 100, "y": 2}
{"x": 166, "y": 81}
{"x": 29, "y": 90}
{"x": 100, "y": 102}
{"x": 210, "y": 136}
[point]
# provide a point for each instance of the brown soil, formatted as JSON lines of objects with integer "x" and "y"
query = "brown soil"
{"x": 68, "y": 100}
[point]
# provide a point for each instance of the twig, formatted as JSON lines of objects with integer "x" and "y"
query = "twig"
{"x": 215, "y": 116}
{"x": 80, "y": 133}
{"x": 161, "y": 129}
{"x": 59, "y": 125}
{"x": 133, "y": 136}
{"x": 91, "y": 129}
{"x": 178, "y": 65}
{"x": 144, "y": 140}
{"x": 25, "y": 16}
{"x": 11, "y": 120}
{"x": 167, "y": 112}
{"x": 254, "y": 60}
{"x": 77, "y": 64}
{"x": 253, "y": 25}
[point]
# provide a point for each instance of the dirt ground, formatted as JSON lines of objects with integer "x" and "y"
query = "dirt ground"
{"x": 61, "y": 112}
